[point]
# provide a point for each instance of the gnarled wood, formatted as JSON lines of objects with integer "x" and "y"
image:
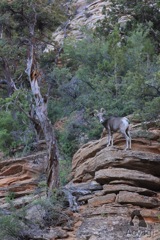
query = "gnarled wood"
{"x": 40, "y": 110}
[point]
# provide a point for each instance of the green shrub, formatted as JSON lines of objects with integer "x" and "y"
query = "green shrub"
{"x": 7, "y": 126}
{"x": 13, "y": 224}
{"x": 53, "y": 209}
{"x": 65, "y": 170}
{"x": 14, "y": 133}
{"x": 10, "y": 227}
{"x": 151, "y": 109}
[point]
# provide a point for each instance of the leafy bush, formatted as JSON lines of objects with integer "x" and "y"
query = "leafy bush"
{"x": 14, "y": 133}
{"x": 65, "y": 170}
{"x": 13, "y": 223}
{"x": 10, "y": 227}
{"x": 151, "y": 109}
{"x": 7, "y": 126}
{"x": 53, "y": 210}
{"x": 68, "y": 139}
{"x": 16, "y": 130}
{"x": 21, "y": 224}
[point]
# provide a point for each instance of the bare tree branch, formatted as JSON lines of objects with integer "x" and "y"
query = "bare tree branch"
{"x": 35, "y": 76}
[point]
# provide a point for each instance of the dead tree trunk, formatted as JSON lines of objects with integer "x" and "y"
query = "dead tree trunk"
{"x": 40, "y": 107}
{"x": 40, "y": 110}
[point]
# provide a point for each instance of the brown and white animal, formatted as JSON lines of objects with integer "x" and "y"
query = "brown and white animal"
{"x": 114, "y": 124}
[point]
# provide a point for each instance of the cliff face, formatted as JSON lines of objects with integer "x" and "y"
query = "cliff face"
{"x": 85, "y": 14}
{"x": 82, "y": 13}
{"x": 117, "y": 191}
{"x": 21, "y": 177}
{"x": 121, "y": 189}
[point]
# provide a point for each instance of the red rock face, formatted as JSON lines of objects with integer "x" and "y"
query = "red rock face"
{"x": 118, "y": 191}
{"x": 127, "y": 206}
{"x": 20, "y": 176}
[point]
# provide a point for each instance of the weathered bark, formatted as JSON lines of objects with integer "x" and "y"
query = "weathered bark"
{"x": 40, "y": 107}
{"x": 40, "y": 110}
{"x": 37, "y": 126}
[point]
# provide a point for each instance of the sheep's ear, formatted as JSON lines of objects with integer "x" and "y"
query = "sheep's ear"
{"x": 102, "y": 110}
{"x": 95, "y": 112}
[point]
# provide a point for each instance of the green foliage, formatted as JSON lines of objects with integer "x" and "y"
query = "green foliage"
{"x": 95, "y": 130}
{"x": 119, "y": 74}
{"x": 53, "y": 210}
{"x": 16, "y": 224}
{"x": 68, "y": 138}
{"x": 113, "y": 66}
{"x": 9, "y": 227}
{"x": 137, "y": 12}
{"x": 7, "y": 126}
{"x": 65, "y": 170}
{"x": 112, "y": 70}
{"x": 151, "y": 109}
{"x": 54, "y": 110}
{"x": 12, "y": 225}
{"x": 21, "y": 12}
{"x": 15, "y": 128}
{"x": 16, "y": 19}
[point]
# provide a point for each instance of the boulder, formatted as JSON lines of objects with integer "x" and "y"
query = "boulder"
{"x": 100, "y": 200}
{"x": 124, "y": 187}
{"x": 141, "y": 179}
{"x": 125, "y": 197}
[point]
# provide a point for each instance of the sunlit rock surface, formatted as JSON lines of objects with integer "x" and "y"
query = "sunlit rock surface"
{"x": 117, "y": 191}
{"x": 128, "y": 205}
{"x": 21, "y": 176}
{"x": 84, "y": 13}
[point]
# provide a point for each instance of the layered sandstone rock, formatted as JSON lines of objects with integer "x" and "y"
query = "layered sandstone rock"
{"x": 124, "y": 201}
{"x": 21, "y": 177}
{"x": 117, "y": 191}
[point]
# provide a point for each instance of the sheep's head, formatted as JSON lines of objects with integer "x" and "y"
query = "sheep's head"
{"x": 100, "y": 114}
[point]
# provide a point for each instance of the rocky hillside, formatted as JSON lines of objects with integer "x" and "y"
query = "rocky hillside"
{"x": 123, "y": 187}
{"x": 115, "y": 194}
{"x": 117, "y": 191}
{"x": 85, "y": 14}
{"x": 82, "y": 14}
{"x": 21, "y": 177}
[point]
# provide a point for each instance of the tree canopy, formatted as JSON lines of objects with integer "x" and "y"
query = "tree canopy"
{"x": 25, "y": 27}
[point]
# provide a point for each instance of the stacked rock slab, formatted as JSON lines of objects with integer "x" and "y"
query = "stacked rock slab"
{"x": 21, "y": 176}
{"x": 123, "y": 197}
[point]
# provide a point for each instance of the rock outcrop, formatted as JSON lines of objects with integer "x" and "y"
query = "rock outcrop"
{"x": 83, "y": 14}
{"x": 21, "y": 176}
{"x": 117, "y": 191}
{"x": 122, "y": 199}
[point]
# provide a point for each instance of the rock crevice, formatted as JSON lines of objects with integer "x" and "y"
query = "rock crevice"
{"x": 128, "y": 199}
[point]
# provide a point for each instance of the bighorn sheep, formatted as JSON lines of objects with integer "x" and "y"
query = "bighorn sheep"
{"x": 114, "y": 124}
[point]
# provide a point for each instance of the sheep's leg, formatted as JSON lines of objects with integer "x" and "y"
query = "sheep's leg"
{"x": 127, "y": 139}
{"x": 126, "y": 143}
{"x": 109, "y": 137}
{"x": 112, "y": 140}
{"x": 109, "y": 140}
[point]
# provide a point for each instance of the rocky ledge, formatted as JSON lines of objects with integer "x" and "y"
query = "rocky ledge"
{"x": 120, "y": 189}
{"x": 21, "y": 176}
{"x": 116, "y": 193}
